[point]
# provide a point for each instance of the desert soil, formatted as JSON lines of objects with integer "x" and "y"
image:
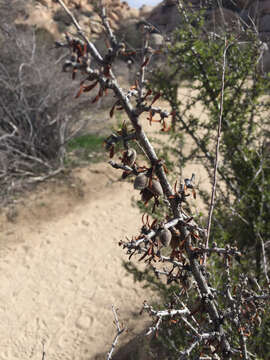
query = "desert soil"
{"x": 61, "y": 267}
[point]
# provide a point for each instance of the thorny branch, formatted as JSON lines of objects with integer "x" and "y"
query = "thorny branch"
{"x": 209, "y": 307}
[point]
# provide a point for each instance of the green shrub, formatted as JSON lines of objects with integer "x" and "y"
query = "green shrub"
{"x": 242, "y": 210}
{"x": 86, "y": 147}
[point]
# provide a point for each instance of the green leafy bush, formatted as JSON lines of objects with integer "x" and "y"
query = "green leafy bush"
{"x": 242, "y": 211}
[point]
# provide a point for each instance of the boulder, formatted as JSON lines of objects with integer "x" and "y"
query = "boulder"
{"x": 48, "y": 14}
{"x": 165, "y": 18}
{"x": 194, "y": 3}
{"x": 265, "y": 63}
{"x": 145, "y": 10}
{"x": 219, "y": 19}
{"x": 156, "y": 41}
{"x": 264, "y": 23}
{"x": 259, "y": 8}
{"x": 170, "y": 2}
{"x": 134, "y": 13}
{"x": 243, "y": 4}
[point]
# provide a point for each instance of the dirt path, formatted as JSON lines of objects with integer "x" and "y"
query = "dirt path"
{"x": 61, "y": 268}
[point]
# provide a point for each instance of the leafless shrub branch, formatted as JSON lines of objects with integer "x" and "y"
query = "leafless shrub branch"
{"x": 212, "y": 203}
{"x": 211, "y": 314}
{"x": 119, "y": 331}
{"x": 37, "y": 118}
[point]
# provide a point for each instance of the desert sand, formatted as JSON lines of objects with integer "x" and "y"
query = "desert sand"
{"x": 61, "y": 268}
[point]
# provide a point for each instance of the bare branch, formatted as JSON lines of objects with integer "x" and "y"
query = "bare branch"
{"x": 265, "y": 270}
{"x": 207, "y": 313}
{"x": 212, "y": 204}
{"x": 118, "y": 333}
{"x": 92, "y": 48}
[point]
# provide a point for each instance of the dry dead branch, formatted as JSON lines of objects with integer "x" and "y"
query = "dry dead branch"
{"x": 211, "y": 314}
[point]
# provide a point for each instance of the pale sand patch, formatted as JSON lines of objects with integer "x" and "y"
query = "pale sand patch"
{"x": 61, "y": 269}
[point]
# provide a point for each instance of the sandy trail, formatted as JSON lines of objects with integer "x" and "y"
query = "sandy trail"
{"x": 61, "y": 266}
{"x": 61, "y": 269}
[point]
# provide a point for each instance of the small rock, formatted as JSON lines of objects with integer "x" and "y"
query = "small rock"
{"x": 85, "y": 223}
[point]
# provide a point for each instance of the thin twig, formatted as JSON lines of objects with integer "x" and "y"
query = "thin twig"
{"x": 258, "y": 232}
{"x": 120, "y": 166}
{"x": 43, "y": 351}
{"x": 142, "y": 69}
{"x": 92, "y": 48}
{"x": 243, "y": 345}
{"x": 152, "y": 233}
{"x": 111, "y": 36}
{"x": 212, "y": 204}
{"x": 265, "y": 270}
{"x": 118, "y": 333}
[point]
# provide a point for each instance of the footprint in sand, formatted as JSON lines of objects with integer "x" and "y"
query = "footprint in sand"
{"x": 60, "y": 316}
{"x": 84, "y": 322}
{"x": 69, "y": 342}
{"x": 5, "y": 355}
{"x": 64, "y": 341}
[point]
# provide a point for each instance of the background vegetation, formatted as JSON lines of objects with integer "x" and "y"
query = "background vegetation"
{"x": 242, "y": 212}
{"x": 37, "y": 124}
